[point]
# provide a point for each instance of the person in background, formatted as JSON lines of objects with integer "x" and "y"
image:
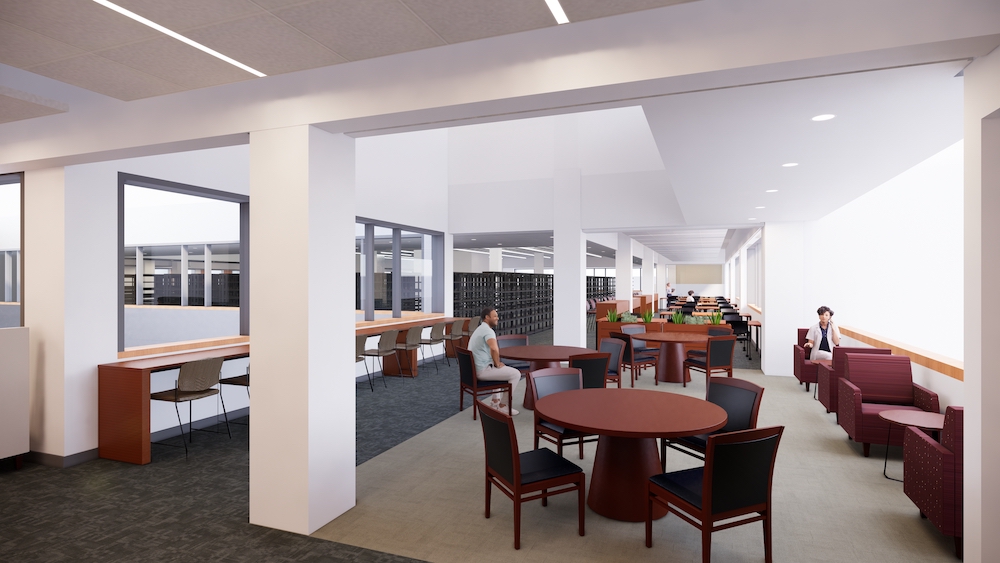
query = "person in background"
{"x": 486, "y": 354}
{"x": 823, "y": 336}
{"x": 690, "y": 298}
{"x": 670, "y": 290}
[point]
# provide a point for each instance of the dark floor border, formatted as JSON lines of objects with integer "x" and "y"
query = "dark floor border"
{"x": 61, "y": 462}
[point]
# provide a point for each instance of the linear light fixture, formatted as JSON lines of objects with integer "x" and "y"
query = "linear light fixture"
{"x": 178, "y": 36}
{"x": 557, "y": 11}
{"x": 516, "y": 252}
{"x": 536, "y": 250}
{"x": 473, "y": 251}
{"x": 595, "y": 255}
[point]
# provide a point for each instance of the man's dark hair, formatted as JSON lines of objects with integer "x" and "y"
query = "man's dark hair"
{"x": 824, "y": 309}
{"x": 486, "y": 312}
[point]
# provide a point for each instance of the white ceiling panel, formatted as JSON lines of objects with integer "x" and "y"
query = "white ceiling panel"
{"x": 15, "y": 108}
{"x": 700, "y": 246}
{"x": 80, "y": 23}
{"x": 361, "y": 30}
{"x": 616, "y": 141}
{"x": 24, "y": 48}
{"x": 106, "y": 77}
{"x": 579, "y": 10}
{"x": 267, "y": 44}
{"x": 464, "y": 20}
{"x": 181, "y": 15}
{"x": 176, "y": 62}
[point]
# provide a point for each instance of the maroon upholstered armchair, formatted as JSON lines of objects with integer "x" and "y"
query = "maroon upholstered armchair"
{"x": 804, "y": 369}
{"x": 874, "y": 383}
{"x": 932, "y": 474}
{"x": 827, "y": 376}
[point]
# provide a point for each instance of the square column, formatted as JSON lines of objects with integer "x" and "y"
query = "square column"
{"x": 207, "y": 278}
{"x": 302, "y": 440}
{"x": 648, "y": 279}
{"x": 569, "y": 262}
{"x": 623, "y": 269}
{"x": 184, "y": 276}
{"x": 496, "y": 260}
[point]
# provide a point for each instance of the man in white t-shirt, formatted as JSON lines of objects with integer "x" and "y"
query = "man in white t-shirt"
{"x": 486, "y": 354}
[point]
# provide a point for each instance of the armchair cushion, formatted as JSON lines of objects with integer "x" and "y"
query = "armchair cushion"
{"x": 932, "y": 473}
{"x": 827, "y": 376}
{"x": 881, "y": 379}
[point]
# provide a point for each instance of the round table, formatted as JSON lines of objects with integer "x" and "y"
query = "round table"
{"x": 540, "y": 357}
{"x": 921, "y": 419}
{"x": 670, "y": 365}
{"x": 628, "y": 422}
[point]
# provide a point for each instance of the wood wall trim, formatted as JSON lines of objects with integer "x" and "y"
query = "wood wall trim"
{"x": 185, "y": 346}
{"x": 756, "y": 309}
{"x": 942, "y": 364}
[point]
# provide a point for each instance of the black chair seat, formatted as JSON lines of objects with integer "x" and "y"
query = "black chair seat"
{"x": 697, "y": 442}
{"x": 182, "y": 396}
{"x": 543, "y": 464}
{"x": 564, "y": 432}
{"x": 516, "y": 364}
{"x": 695, "y": 362}
{"x": 686, "y": 484}
{"x": 241, "y": 380}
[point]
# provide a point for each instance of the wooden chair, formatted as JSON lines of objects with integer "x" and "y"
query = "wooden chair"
{"x": 594, "y": 367}
{"x": 735, "y": 481}
{"x": 470, "y": 383}
{"x": 196, "y": 381}
{"x": 632, "y": 359}
{"x": 616, "y": 348}
{"x": 539, "y": 474}
{"x": 719, "y": 358}
{"x": 545, "y": 382}
{"x": 741, "y": 401}
{"x": 508, "y": 340}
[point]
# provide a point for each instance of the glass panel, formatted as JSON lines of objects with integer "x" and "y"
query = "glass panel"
{"x": 10, "y": 254}
{"x": 383, "y": 272}
{"x": 359, "y": 269}
{"x": 416, "y": 271}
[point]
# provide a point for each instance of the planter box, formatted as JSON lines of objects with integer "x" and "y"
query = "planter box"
{"x": 605, "y": 328}
{"x": 604, "y": 306}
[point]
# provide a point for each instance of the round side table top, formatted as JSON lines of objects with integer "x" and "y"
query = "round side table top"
{"x": 672, "y": 337}
{"x": 631, "y": 413}
{"x": 542, "y": 353}
{"x": 920, "y": 419}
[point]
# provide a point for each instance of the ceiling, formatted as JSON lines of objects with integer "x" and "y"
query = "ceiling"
{"x": 85, "y": 44}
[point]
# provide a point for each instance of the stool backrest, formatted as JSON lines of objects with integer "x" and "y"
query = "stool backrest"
{"x": 199, "y": 375}
{"x": 387, "y": 342}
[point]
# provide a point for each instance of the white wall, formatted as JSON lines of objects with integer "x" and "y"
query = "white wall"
{"x": 10, "y": 216}
{"x": 700, "y": 289}
{"x": 496, "y": 207}
{"x": 889, "y": 252}
{"x": 157, "y": 325}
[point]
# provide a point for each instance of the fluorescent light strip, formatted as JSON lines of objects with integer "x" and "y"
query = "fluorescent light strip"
{"x": 518, "y": 253}
{"x": 178, "y": 37}
{"x": 473, "y": 251}
{"x": 557, "y": 11}
{"x": 536, "y": 250}
{"x": 595, "y": 255}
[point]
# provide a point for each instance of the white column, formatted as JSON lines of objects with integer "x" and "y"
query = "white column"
{"x": 140, "y": 277}
{"x": 982, "y": 281}
{"x": 184, "y": 276}
{"x": 8, "y": 276}
{"x": 539, "y": 263}
{"x": 784, "y": 266}
{"x": 71, "y": 304}
{"x": 569, "y": 262}
{"x": 661, "y": 278}
{"x": 623, "y": 269}
{"x": 208, "y": 275}
{"x": 496, "y": 260}
{"x": 302, "y": 441}
{"x": 648, "y": 261}
{"x": 449, "y": 275}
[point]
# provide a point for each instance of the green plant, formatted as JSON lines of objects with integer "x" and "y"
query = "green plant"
{"x": 677, "y": 318}
{"x": 647, "y": 316}
{"x": 694, "y": 320}
{"x": 613, "y": 315}
{"x": 628, "y": 318}
{"x": 715, "y": 318}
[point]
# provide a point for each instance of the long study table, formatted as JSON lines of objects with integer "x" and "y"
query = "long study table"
{"x": 123, "y": 400}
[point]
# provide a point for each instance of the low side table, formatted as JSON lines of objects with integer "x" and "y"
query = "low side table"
{"x": 921, "y": 419}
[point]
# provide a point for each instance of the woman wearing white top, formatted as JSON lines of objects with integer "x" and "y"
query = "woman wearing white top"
{"x": 823, "y": 336}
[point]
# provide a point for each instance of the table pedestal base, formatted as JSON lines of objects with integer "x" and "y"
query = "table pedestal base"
{"x": 529, "y": 397}
{"x": 622, "y": 468}
{"x": 670, "y": 366}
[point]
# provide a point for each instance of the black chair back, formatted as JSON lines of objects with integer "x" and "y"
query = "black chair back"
{"x": 545, "y": 382}
{"x": 719, "y": 331}
{"x": 739, "y": 398}
{"x": 594, "y": 368}
{"x": 739, "y": 470}
{"x": 740, "y": 327}
{"x": 635, "y": 329}
{"x": 508, "y": 340}
{"x": 616, "y": 348}
{"x": 501, "y": 443}
{"x": 466, "y": 367}
{"x": 720, "y": 350}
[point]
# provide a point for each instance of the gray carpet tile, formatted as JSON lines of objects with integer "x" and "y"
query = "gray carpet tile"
{"x": 170, "y": 510}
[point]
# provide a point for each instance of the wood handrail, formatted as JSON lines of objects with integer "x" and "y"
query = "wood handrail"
{"x": 756, "y": 309}
{"x": 942, "y": 364}
{"x": 186, "y": 346}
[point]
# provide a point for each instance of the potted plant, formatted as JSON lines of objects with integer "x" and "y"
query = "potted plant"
{"x": 647, "y": 316}
{"x": 613, "y": 315}
{"x": 677, "y": 318}
{"x": 715, "y": 318}
{"x": 628, "y": 318}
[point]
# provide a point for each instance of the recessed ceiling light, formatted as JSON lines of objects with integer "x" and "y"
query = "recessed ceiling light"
{"x": 178, "y": 36}
{"x": 752, "y": 219}
{"x": 557, "y": 11}
{"x": 768, "y": 191}
{"x": 499, "y": 244}
{"x": 824, "y": 117}
{"x": 472, "y": 239}
{"x": 790, "y": 164}
{"x": 760, "y": 207}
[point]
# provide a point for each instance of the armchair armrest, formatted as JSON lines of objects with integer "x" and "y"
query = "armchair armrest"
{"x": 925, "y": 399}
{"x": 927, "y": 467}
{"x": 848, "y": 406}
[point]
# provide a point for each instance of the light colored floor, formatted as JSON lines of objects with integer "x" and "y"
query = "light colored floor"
{"x": 424, "y": 499}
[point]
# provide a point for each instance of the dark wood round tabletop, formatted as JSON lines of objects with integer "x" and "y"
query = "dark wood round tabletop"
{"x": 670, "y": 363}
{"x": 628, "y": 421}
{"x": 920, "y": 419}
{"x": 540, "y": 357}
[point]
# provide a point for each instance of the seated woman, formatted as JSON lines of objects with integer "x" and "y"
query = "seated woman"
{"x": 690, "y": 298}
{"x": 823, "y": 336}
